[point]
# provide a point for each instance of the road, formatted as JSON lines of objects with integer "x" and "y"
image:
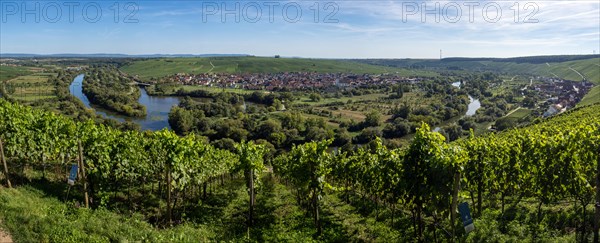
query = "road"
{"x": 213, "y": 67}
{"x": 527, "y": 86}
{"x": 582, "y": 77}
{"x": 513, "y": 111}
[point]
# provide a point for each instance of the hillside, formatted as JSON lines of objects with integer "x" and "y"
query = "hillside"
{"x": 564, "y": 67}
{"x": 589, "y": 66}
{"x": 161, "y": 67}
{"x": 526, "y": 178}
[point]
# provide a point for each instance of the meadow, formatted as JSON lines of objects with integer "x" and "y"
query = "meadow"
{"x": 31, "y": 87}
{"x": 10, "y": 72}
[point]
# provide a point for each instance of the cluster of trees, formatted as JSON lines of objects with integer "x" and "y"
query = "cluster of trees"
{"x": 227, "y": 119}
{"x": 398, "y": 91}
{"x": 71, "y": 106}
{"x": 274, "y": 99}
{"x": 68, "y": 104}
{"x": 442, "y": 102}
{"x": 107, "y": 87}
{"x": 491, "y": 109}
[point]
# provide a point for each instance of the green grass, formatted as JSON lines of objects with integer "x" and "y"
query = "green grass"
{"x": 32, "y": 216}
{"x": 519, "y": 114}
{"x": 189, "y": 88}
{"x": 32, "y": 78}
{"x": 32, "y": 87}
{"x": 9, "y": 72}
{"x": 593, "y": 96}
{"x": 162, "y": 67}
{"x": 38, "y": 213}
{"x": 589, "y": 68}
{"x": 368, "y": 97}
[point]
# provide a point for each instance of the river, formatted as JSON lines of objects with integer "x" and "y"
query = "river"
{"x": 157, "y": 107}
{"x": 474, "y": 105}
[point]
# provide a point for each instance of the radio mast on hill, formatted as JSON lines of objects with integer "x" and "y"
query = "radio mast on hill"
{"x": 440, "y": 54}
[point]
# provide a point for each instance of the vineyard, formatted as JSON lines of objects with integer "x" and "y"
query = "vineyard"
{"x": 412, "y": 192}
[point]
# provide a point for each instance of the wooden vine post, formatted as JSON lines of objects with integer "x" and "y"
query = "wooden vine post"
{"x": 597, "y": 203}
{"x": 83, "y": 175}
{"x": 169, "y": 213}
{"x": 4, "y": 163}
{"x": 454, "y": 202}
{"x": 251, "y": 191}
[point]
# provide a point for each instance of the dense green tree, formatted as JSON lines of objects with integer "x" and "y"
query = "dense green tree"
{"x": 451, "y": 132}
{"x": 341, "y": 137}
{"x": 505, "y": 123}
{"x": 401, "y": 111}
{"x": 181, "y": 120}
{"x": 367, "y": 134}
{"x": 318, "y": 134}
{"x": 398, "y": 128}
{"x": 315, "y": 97}
{"x": 372, "y": 119}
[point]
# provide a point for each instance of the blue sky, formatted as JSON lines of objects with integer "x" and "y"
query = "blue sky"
{"x": 339, "y": 29}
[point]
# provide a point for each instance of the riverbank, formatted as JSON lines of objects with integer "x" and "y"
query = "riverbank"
{"x": 107, "y": 88}
{"x": 157, "y": 107}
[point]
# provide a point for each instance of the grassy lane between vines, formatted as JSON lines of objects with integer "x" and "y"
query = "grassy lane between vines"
{"x": 37, "y": 213}
{"x": 363, "y": 221}
{"x": 34, "y": 213}
{"x": 276, "y": 216}
{"x": 30, "y": 215}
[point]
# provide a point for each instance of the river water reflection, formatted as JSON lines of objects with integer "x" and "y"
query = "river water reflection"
{"x": 157, "y": 107}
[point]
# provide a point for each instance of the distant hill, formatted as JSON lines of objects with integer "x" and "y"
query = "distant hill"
{"x": 111, "y": 55}
{"x": 566, "y": 67}
{"x": 570, "y": 67}
{"x": 530, "y": 59}
{"x": 160, "y": 67}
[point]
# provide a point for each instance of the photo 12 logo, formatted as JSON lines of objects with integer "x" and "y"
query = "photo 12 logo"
{"x": 454, "y": 12}
{"x": 53, "y": 12}
{"x": 252, "y": 12}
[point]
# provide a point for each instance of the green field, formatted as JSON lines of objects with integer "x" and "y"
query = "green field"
{"x": 519, "y": 114}
{"x": 9, "y": 72}
{"x": 31, "y": 87}
{"x": 544, "y": 66}
{"x": 368, "y": 97}
{"x": 162, "y": 67}
{"x": 593, "y": 96}
{"x": 172, "y": 89}
{"x": 588, "y": 67}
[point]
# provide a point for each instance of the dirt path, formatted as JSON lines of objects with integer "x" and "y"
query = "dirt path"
{"x": 5, "y": 237}
{"x": 582, "y": 77}
{"x": 213, "y": 67}
{"x": 513, "y": 111}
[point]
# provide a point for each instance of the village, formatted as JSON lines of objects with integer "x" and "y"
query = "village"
{"x": 287, "y": 80}
{"x": 560, "y": 94}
